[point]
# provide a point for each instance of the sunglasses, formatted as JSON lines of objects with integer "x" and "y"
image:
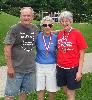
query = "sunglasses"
{"x": 45, "y": 25}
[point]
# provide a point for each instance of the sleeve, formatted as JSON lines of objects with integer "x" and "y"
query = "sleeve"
{"x": 36, "y": 30}
{"x": 39, "y": 27}
{"x": 81, "y": 43}
{"x": 36, "y": 42}
{"x": 10, "y": 37}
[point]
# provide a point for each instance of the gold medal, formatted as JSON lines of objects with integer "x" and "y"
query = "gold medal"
{"x": 65, "y": 50}
{"x": 47, "y": 54}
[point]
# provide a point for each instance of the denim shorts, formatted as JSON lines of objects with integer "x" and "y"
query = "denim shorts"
{"x": 21, "y": 82}
{"x": 66, "y": 77}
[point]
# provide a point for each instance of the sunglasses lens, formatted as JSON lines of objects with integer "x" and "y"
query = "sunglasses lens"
{"x": 45, "y": 25}
{"x": 50, "y": 25}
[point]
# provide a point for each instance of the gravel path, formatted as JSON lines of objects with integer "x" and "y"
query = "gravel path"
{"x": 2, "y": 80}
{"x": 86, "y": 68}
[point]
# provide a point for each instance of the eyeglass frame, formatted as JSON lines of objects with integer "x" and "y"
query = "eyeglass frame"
{"x": 49, "y": 25}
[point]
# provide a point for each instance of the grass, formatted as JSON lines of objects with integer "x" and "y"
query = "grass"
{"x": 84, "y": 93}
{"x": 5, "y": 22}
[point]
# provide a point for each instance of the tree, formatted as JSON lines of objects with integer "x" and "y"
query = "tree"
{"x": 82, "y": 9}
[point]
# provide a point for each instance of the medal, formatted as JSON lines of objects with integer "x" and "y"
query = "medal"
{"x": 47, "y": 54}
{"x": 64, "y": 50}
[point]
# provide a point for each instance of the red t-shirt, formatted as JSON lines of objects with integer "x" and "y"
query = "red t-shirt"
{"x": 69, "y": 45}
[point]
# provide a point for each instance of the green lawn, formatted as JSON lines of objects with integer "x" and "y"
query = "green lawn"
{"x": 84, "y": 93}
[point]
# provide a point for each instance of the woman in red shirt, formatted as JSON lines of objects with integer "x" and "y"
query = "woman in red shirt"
{"x": 70, "y": 56}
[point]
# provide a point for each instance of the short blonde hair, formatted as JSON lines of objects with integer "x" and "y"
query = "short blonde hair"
{"x": 27, "y": 8}
{"x": 67, "y": 15}
{"x": 46, "y": 18}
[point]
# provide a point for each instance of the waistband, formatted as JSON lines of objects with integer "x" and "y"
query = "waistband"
{"x": 66, "y": 67}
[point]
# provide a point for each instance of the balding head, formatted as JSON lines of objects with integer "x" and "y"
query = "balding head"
{"x": 27, "y": 9}
{"x": 26, "y": 15}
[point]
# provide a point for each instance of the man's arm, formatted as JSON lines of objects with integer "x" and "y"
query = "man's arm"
{"x": 7, "y": 53}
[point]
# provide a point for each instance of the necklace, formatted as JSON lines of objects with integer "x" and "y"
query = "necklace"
{"x": 45, "y": 45}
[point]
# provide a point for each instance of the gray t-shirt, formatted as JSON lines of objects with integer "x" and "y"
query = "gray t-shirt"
{"x": 23, "y": 41}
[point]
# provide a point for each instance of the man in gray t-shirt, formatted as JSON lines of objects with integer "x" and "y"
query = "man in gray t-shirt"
{"x": 19, "y": 54}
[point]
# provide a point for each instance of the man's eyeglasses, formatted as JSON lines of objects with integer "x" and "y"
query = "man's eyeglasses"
{"x": 45, "y": 25}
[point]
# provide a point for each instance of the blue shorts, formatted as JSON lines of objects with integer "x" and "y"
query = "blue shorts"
{"x": 66, "y": 77}
{"x": 21, "y": 82}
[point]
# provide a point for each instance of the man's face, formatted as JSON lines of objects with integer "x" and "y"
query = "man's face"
{"x": 26, "y": 16}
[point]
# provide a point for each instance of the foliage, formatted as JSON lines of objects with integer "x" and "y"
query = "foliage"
{"x": 82, "y": 9}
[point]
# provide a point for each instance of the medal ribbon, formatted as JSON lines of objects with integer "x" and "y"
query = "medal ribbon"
{"x": 65, "y": 38}
{"x": 45, "y": 45}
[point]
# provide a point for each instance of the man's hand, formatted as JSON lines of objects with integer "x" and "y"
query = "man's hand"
{"x": 10, "y": 72}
